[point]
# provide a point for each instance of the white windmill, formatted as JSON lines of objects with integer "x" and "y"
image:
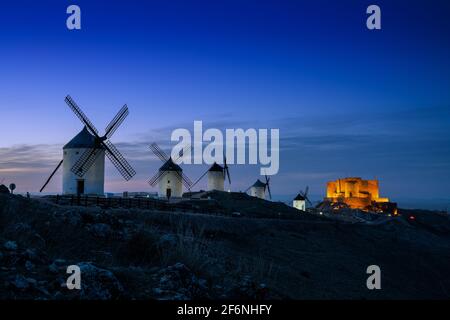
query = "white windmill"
{"x": 170, "y": 177}
{"x": 300, "y": 200}
{"x": 216, "y": 176}
{"x": 84, "y": 156}
{"x": 258, "y": 189}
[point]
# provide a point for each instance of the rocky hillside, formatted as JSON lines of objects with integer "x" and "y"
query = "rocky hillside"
{"x": 125, "y": 254}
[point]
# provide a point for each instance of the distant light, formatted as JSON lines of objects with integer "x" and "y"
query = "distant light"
{"x": 412, "y": 217}
{"x": 321, "y": 213}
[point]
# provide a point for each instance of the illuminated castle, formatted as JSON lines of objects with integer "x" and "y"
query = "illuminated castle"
{"x": 357, "y": 193}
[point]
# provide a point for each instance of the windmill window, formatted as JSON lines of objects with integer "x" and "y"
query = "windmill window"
{"x": 168, "y": 181}
{"x": 77, "y": 152}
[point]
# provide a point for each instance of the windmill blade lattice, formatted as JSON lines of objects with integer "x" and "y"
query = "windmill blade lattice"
{"x": 118, "y": 160}
{"x": 80, "y": 114}
{"x": 158, "y": 175}
{"x": 85, "y": 162}
{"x": 159, "y": 152}
{"x": 164, "y": 158}
{"x": 116, "y": 122}
{"x": 89, "y": 156}
{"x": 198, "y": 180}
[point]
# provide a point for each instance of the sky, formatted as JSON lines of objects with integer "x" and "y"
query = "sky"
{"x": 348, "y": 101}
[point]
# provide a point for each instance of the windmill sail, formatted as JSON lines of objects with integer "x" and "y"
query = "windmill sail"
{"x": 268, "y": 186}
{"x": 117, "y": 121}
{"x": 118, "y": 160}
{"x": 168, "y": 161}
{"x": 226, "y": 169}
{"x": 91, "y": 154}
{"x": 85, "y": 162}
{"x": 80, "y": 114}
{"x": 198, "y": 180}
{"x": 88, "y": 158}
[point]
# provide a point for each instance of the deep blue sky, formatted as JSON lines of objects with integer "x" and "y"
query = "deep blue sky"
{"x": 348, "y": 101}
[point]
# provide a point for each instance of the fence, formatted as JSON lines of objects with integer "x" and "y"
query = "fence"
{"x": 136, "y": 203}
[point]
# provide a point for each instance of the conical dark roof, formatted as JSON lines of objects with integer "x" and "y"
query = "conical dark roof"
{"x": 84, "y": 139}
{"x": 299, "y": 197}
{"x": 4, "y": 189}
{"x": 259, "y": 184}
{"x": 169, "y": 165}
{"x": 216, "y": 167}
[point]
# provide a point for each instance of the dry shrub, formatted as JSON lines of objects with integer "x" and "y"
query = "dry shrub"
{"x": 260, "y": 269}
{"x": 140, "y": 249}
{"x": 191, "y": 248}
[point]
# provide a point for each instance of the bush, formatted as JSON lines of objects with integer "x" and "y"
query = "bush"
{"x": 141, "y": 249}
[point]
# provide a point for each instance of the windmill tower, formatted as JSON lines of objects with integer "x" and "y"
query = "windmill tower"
{"x": 94, "y": 180}
{"x": 301, "y": 199}
{"x": 170, "y": 177}
{"x": 299, "y": 202}
{"x": 258, "y": 189}
{"x": 216, "y": 176}
{"x": 84, "y": 156}
{"x": 170, "y": 184}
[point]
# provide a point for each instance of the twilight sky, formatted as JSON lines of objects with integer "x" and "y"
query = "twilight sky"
{"x": 348, "y": 101}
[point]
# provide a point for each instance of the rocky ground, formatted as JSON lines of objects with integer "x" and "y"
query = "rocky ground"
{"x": 140, "y": 254}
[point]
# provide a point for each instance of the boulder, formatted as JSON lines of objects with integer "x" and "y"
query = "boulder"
{"x": 98, "y": 283}
{"x": 20, "y": 282}
{"x": 57, "y": 266}
{"x": 247, "y": 289}
{"x": 10, "y": 245}
{"x": 167, "y": 241}
{"x": 178, "y": 282}
{"x": 29, "y": 265}
{"x": 100, "y": 230}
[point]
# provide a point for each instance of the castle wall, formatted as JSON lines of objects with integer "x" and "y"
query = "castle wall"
{"x": 331, "y": 189}
{"x": 354, "y": 191}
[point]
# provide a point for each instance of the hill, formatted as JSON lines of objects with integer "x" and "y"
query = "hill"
{"x": 149, "y": 254}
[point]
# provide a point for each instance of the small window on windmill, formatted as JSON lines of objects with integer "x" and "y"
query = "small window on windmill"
{"x": 168, "y": 181}
{"x": 77, "y": 152}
